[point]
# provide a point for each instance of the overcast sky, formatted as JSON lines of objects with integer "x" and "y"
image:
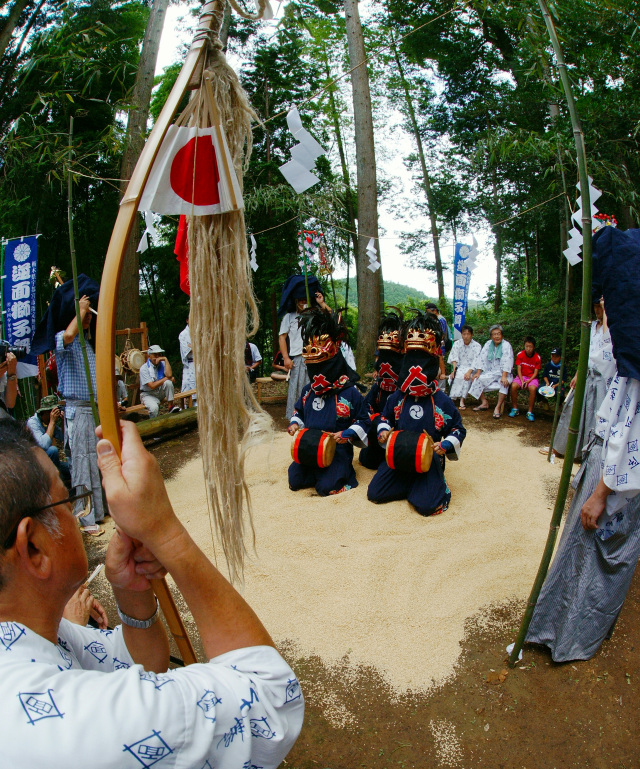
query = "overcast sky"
{"x": 178, "y": 31}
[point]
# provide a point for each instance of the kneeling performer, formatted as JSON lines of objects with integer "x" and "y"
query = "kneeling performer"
{"x": 385, "y": 383}
{"x": 418, "y": 407}
{"x": 330, "y": 403}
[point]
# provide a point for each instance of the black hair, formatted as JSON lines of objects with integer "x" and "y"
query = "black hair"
{"x": 392, "y": 321}
{"x": 467, "y": 328}
{"x": 530, "y": 339}
{"x": 24, "y": 484}
{"x": 315, "y": 322}
{"x": 424, "y": 321}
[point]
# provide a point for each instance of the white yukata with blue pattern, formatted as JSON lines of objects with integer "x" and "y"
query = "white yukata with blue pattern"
{"x": 242, "y": 710}
{"x": 618, "y": 424}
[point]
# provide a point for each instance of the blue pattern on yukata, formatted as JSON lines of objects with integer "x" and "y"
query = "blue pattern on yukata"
{"x": 293, "y": 690}
{"x": 238, "y": 728}
{"x": 260, "y": 728}
{"x": 149, "y": 750}
{"x": 207, "y": 703}
{"x": 39, "y": 705}
{"x": 10, "y": 633}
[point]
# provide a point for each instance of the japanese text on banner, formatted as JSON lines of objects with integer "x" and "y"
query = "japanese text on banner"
{"x": 461, "y": 279}
{"x": 19, "y": 294}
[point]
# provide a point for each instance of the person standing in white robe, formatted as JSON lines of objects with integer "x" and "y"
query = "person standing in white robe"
{"x": 493, "y": 372}
{"x": 188, "y": 366}
{"x": 463, "y": 357}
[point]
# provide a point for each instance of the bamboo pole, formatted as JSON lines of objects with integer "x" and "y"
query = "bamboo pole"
{"x": 74, "y": 272}
{"x": 578, "y": 397}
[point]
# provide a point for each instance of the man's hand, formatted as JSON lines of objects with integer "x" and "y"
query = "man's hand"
{"x": 83, "y": 605}
{"x": 504, "y": 379}
{"x": 293, "y": 428}
{"x": 129, "y": 566}
{"x": 572, "y": 385}
{"x": 467, "y": 376}
{"x": 477, "y": 375}
{"x": 438, "y": 449}
{"x": 85, "y": 304}
{"x": 135, "y": 490}
{"x": 288, "y": 363}
{"x": 383, "y": 437}
{"x": 338, "y": 437}
{"x": 593, "y": 507}
{"x": 12, "y": 364}
{"x": 320, "y": 300}
{"x": 55, "y": 415}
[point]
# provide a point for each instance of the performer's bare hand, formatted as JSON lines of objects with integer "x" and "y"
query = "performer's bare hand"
{"x": 288, "y": 364}
{"x": 593, "y": 507}
{"x": 383, "y": 437}
{"x": 293, "y": 428}
{"x": 438, "y": 449}
{"x": 338, "y": 437}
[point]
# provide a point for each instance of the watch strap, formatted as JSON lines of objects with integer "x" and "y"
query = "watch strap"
{"x": 139, "y": 624}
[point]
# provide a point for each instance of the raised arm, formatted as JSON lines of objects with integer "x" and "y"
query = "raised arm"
{"x": 140, "y": 507}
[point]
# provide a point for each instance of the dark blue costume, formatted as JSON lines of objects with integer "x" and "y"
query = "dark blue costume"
{"x": 334, "y": 411}
{"x": 373, "y": 454}
{"x": 427, "y": 492}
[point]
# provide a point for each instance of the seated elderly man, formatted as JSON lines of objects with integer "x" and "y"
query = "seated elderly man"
{"x": 241, "y": 708}
{"x": 45, "y": 426}
{"x": 493, "y": 371}
{"x": 156, "y": 381}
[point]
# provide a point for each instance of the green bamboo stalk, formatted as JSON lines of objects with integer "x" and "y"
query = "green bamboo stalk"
{"x": 578, "y": 397}
{"x": 74, "y": 271}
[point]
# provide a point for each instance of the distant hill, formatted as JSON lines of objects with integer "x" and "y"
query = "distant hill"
{"x": 394, "y": 293}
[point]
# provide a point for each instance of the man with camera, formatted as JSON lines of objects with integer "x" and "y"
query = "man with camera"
{"x": 45, "y": 426}
{"x": 8, "y": 383}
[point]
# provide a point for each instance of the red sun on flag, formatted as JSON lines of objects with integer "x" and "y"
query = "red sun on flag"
{"x": 194, "y": 172}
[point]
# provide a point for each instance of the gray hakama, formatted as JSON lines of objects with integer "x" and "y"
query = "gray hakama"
{"x": 590, "y": 574}
{"x": 595, "y": 390}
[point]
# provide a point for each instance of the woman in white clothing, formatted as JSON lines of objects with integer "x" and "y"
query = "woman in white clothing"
{"x": 463, "y": 357}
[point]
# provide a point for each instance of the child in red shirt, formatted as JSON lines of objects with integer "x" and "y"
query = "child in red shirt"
{"x": 528, "y": 363}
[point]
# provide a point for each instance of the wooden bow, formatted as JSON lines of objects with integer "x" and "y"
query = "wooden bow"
{"x": 105, "y": 331}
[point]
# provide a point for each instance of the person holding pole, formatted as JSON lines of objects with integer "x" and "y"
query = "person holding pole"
{"x": 242, "y": 707}
{"x": 79, "y": 422}
{"x": 586, "y": 586}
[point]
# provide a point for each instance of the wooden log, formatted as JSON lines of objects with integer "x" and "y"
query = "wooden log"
{"x": 151, "y": 428}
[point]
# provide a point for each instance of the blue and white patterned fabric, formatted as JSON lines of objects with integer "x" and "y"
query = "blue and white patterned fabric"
{"x": 618, "y": 425}
{"x": 242, "y": 709}
{"x": 72, "y": 379}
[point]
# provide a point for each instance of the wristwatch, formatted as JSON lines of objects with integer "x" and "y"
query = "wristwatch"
{"x": 139, "y": 624}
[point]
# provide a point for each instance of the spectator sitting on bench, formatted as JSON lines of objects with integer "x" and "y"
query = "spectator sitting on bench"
{"x": 46, "y": 427}
{"x": 156, "y": 382}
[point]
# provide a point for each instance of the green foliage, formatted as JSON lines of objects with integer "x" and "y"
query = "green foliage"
{"x": 538, "y": 315}
{"x": 394, "y": 293}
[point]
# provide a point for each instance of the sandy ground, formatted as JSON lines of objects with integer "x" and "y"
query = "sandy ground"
{"x": 343, "y": 579}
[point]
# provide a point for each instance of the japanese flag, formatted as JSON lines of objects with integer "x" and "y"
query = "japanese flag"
{"x": 192, "y": 174}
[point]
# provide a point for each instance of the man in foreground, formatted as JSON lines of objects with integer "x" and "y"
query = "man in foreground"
{"x": 243, "y": 708}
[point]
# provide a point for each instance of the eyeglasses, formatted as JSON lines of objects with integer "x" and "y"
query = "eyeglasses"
{"x": 78, "y": 492}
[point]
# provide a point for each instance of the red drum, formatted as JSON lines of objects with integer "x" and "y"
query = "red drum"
{"x": 313, "y": 448}
{"x": 409, "y": 452}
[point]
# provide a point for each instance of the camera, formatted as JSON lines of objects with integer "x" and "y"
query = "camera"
{"x": 18, "y": 350}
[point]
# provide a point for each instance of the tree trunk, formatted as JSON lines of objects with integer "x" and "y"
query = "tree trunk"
{"x": 425, "y": 177}
{"x": 10, "y": 24}
{"x": 128, "y": 313}
{"x": 497, "y": 250}
{"x": 369, "y": 283}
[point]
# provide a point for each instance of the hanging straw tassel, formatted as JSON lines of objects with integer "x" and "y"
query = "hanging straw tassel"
{"x": 223, "y": 311}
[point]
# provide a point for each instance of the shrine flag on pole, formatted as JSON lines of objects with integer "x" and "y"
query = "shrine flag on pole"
{"x": 192, "y": 174}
